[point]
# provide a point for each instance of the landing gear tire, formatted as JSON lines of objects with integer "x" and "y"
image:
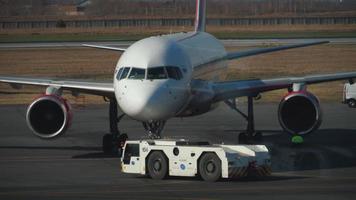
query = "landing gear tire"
{"x": 352, "y": 103}
{"x": 122, "y": 139}
{"x": 244, "y": 138}
{"x": 258, "y": 136}
{"x": 107, "y": 144}
{"x": 210, "y": 167}
{"x": 113, "y": 148}
{"x": 121, "y": 142}
{"x": 157, "y": 165}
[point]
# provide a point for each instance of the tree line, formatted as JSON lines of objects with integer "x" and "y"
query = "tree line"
{"x": 220, "y": 7}
{"x": 182, "y": 8}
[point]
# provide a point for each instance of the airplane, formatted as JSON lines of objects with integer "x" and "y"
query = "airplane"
{"x": 176, "y": 75}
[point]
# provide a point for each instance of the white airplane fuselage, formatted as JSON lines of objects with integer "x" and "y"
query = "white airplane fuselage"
{"x": 177, "y": 75}
{"x": 152, "y": 96}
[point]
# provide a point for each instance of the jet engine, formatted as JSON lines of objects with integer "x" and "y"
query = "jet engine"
{"x": 299, "y": 113}
{"x": 49, "y": 116}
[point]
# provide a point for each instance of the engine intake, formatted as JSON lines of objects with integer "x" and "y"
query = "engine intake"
{"x": 49, "y": 116}
{"x": 299, "y": 113}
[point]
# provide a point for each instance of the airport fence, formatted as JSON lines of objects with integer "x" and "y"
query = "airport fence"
{"x": 97, "y": 23}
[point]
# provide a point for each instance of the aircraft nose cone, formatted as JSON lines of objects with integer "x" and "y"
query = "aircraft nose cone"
{"x": 148, "y": 101}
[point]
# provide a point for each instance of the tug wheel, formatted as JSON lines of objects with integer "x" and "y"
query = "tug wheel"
{"x": 210, "y": 167}
{"x": 157, "y": 165}
{"x": 352, "y": 103}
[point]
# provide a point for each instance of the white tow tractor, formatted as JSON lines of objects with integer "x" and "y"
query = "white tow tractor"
{"x": 159, "y": 158}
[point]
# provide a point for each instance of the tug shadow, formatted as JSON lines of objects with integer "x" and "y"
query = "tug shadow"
{"x": 238, "y": 179}
{"x": 270, "y": 178}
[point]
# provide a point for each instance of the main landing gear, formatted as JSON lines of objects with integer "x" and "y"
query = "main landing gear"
{"x": 114, "y": 141}
{"x": 249, "y": 136}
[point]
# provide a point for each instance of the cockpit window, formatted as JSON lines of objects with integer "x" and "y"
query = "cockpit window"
{"x": 152, "y": 73}
{"x": 124, "y": 73}
{"x": 156, "y": 73}
{"x": 119, "y": 73}
{"x": 174, "y": 73}
{"x": 137, "y": 73}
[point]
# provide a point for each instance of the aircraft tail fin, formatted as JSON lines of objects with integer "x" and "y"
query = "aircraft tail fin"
{"x": 200, "y": 15}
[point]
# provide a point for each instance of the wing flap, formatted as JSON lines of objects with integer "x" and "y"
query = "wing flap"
{"x": 234, "y": 89}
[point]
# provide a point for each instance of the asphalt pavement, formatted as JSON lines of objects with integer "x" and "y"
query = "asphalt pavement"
{"x": 73, "y": 166}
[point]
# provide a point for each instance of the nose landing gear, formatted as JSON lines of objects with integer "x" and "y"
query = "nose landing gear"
{"x": 154, "y": 128}
{"x": 115, "y": 141}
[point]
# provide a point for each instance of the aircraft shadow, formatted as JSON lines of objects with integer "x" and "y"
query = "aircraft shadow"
{"x": 94, "y": 155}
{"x": 325, "y": 149}
{"x": 95, "y": 152}
{"x": 76, "y": 148}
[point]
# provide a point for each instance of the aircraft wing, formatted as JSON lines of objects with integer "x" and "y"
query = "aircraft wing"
{"x": 88, "y": 87}
{"x": 234, "y": 89}
{"x": 240, "y": 54}
{"x": 104, "y": 47}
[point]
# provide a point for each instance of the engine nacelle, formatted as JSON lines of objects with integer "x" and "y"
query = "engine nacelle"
{"x": 49, "y": 116}
{"x": 299, "y": 113}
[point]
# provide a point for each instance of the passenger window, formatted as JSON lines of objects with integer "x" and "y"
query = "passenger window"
{"x": 124, "y": 73}
{"x": 119, "y": 73}
{"x": 156, "y": 73}
{"x": 137, "y": 73}
{"x": 174, "y": 73}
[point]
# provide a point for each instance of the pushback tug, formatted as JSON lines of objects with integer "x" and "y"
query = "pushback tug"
{"x": 161, "y": 158}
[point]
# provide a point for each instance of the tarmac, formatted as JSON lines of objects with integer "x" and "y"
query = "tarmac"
{"x": 226, "y": 43}
{"x": 73, "y": 166}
